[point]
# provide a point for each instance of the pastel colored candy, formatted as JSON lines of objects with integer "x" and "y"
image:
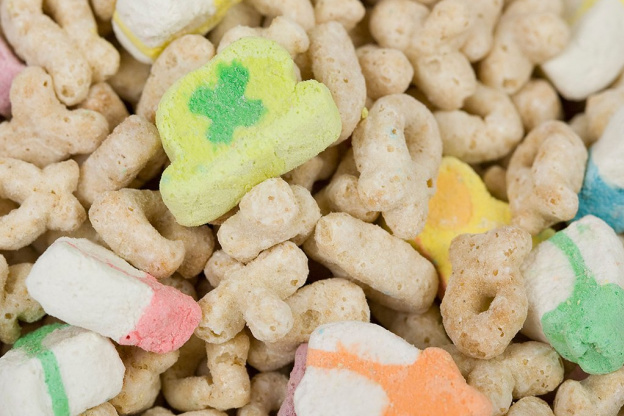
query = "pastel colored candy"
{"x": 87, "y": 285}
{"x": 602, "y": 193}
{"x": 145, "y": 27}
{"x": 592, "y": 59}
{"x": 574, "y": 283}
{"x": 240, "y": 119}
{"x": 10, "y": 66}
{"x": 357, "y": 368}
{"x": 59, "y": 370}
{"x": 288, "y": 405}
{"x": 461, "y": 204}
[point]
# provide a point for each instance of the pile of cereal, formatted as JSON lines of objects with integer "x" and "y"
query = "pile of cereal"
{"x": 311, "y": 207}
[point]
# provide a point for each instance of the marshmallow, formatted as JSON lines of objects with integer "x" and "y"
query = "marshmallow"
{"x": 10, "y": 66}
{"x": 89, "y": 286}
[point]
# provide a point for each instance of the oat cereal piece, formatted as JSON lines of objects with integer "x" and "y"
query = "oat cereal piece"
{"x": 335, "y": 64}
{"x": 544, "y": 177}
{"x": 324, "y": 301}
{"x": 255, "y": 295}
{"x": 241, "y": 14}
{"x": 161, "y": 411}
{"x": 395, "y": 23}
{"x": 142, "y": 378}
{"x": 85, "y": 230}
{"x": 599, "y": 109}
{"x": 485, "y": 303}
{"x": 185, "y": 286}
{"x": 299, "y": 11}
{"x": 119, "y": 159}
{"x": 226, "y": 387}
{"x": 318, "y": 168}
{"x": 537, "y": 102}
{"x": 530, "y": 406}
{"x": 487, "y": 128}
{"x": 529, "y": 33}
{"x": 346, "y": 12}
{"x": 386, "y": 71}
{"x": 368, "y": 254}
{"x": 267, "y": 394}
{"x": 105, "y": 409}
{"x": 138, "y": 227}
{"x": 495, "y": 180}
{"x": 270, "y": 213}
{"x": 103, "y": 99}
{"x": 10, "y": 66}
{"x": 42, "y": 130}
{"x": 219, "y": 265}
{"x": 45, "y": 198}
{"x": 397, "y": 150}
{"x": 103, "y": 9}
{"x": 580, "y": 125}
{"x": 130, "y": 79}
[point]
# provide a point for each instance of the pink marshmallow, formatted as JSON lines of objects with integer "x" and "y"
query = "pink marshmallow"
{"x": 10, "y": 66}
{"x": 288, "y": 406}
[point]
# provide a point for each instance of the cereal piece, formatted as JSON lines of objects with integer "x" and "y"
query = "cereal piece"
{"x": 460, "y": 205}
{"x": 395, "y": 23}
{"x": 69, "y": 281}
{"x": 226, "y": 387}
{"x": 103, "y": 9}
{"x": 86, "y": 230}
{"x": 495, "y": 180}
{"x": 270, "y": 213}
{"x": 10, "y": 66}
{"x": 141, "y": 382}
{"x": 15, "y": 301}
{"x": 103, "y": 99}
{"x": 421, "y": 330}
{"x": 45, "y": 198}
{"x": 42, "y": 130}
{"x": 119, "y": 159}
{"x": 105, "y": 409}
{"x": 602, "y": 193}
{"x": 345, "y": 370}
{"x": 322, "y": 302}
{"x": 255, "y": 295}
{"x": 241, "y": 14}
{"x": 220, "y": 264}
{"x": 530, "y": 406}
{"x": 487, "y": 128}
{"x": 285, "y": 32}
{"x": 59, "y": 370}
{"x": 527, "y": 369}
{"x": 600, "y": 108}
{"x": 346, "y": 12}
{"x": 267, "y": 394}
{"x": 318, "y": 168}
{"x": 145, "y": 28}
{"x": 129, "y": 80}
{"x": 537, "y": 102}
{"x": 386, "y": 71}
{"x": 138, "y": 227}
{"x": 595, "y": 396}
{"x": 544, "y": 177}
{"x": 288, "y": 405}
{"x": 220, "y": 150}
{"x": 529, "y": 33}
{"x": 368, "y": 254}
{"x": 335, "y": 64}
{"x": 161, "y": 411}
{"x": 185, "y": 286}
{"x": 485, "y": 303}
{"x": 397, "y": 150}
{"x": 299, "y": 11}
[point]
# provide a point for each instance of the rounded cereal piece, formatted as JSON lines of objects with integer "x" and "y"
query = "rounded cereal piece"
{"x": 597, "y": 395}
{"x": 270, "y": 213}
{"x": 395, "y": 23}
{"x": 537, "y": 102}
{"x": 600, "y": 108}
{"x": 545, "y": 174}
{"x": 386, "y": 71}
{"x": 481, "y": 37}
{"x": 368, "y": 254}
{"x": 10, "y": 66}
{"x": 346, "y": 12}
{"x": 103, "y": 99}
{"x": 103, "y": 9}
{"x": 320, "y": 167}
{"x": 335, "y": 64}
{"x": 240, "y": 14}
{"x": 105, "y": 409}
{"x": 487, "y": 128}
{"x": 268, "y": 391}
{"x": 220, "y": 264}
{"x": 530, "y": 406}
{"x": 138, "y": 227}
{"x": 341, "y": 195}
{"x": 495, "y": 180}
{"x": 299, "y": 11}
{"x": 161, "y": 411}
{"x": 397, "y": 150}
{"x": 485, "y": 303}
{"x": 130, "y": 79}
{"x": 226, "y": 387}
{"x": 254, "y": 294}
{"x": 45, "y": 198}
{"x": 42, "y": 130}
{"x": 119, "y": 159}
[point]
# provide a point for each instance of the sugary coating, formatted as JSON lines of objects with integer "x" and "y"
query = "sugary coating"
{"x": 105, "y": 409}
{"x": 485, "y": 303}
{"x": 145, "y": 28}
{"x": 537, "y": 101}
{"x": 241, "y": 14}
{"x": 347, "y": 374}
{"x": 528, "y": 33}
{"x": 318, "y": 168}
{"x": 129, "y": 80}
{"x": 10, "y": 66}
{"x": 288, "y": 405}
{"x": 386, "y": 71}
{"x": 119, "y": 159}
{"x": 322, "y": 302}
{"x": 226, "y": 387}
{"x": 45, "y": 201}
{"x": 370, "y": 255}
{"x": 530, "y": 406}
{"x": 346, "y": 12}
{"x": 485, "y": 129}
{"x": 59, "y": 370}
{"x": 397, "y": 150}
{"x": 161, "y": 411}
{"x": 138, "y": 227}
{"x": 299, "y": 11}
{"x": 42, "y": 130}
{"x": 267, "y": 394}
{"x": 71, "y": 276}
{"x": 103, "y": 99}
{"x": 335, "y": 64}
{"x": 141, "y": 382}
{"x": 255, "y": 295}
{"x": 219, "y": 151}
{"x": 545, "y": 174}
{"x": 461, "y": 204}
{"x": 15, "y": 301}
{"x": 574, "y": 283}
